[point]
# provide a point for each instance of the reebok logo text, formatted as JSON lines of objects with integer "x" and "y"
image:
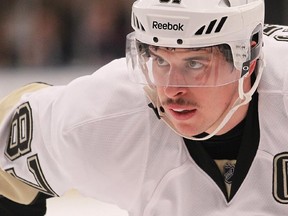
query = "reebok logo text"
{"x": 167, "y": 26}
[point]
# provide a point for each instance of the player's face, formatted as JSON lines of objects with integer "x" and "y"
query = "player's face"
{"x": 194, "y": 110}
{"x": 194, "y": 67}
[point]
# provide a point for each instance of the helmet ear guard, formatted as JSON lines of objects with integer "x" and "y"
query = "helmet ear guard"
{"x": 256, "y": 47}
{"x": 257, "y": 37}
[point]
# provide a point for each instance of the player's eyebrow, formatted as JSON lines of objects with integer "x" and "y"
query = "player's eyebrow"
{"x": 196, "y": 55}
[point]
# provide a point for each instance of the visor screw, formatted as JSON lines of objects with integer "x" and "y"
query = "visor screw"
{"x": 179, "y": 41}
{"x": 155, "y": 39}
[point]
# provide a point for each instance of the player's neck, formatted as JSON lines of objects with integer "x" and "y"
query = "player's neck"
{"x": 237, "y": 117}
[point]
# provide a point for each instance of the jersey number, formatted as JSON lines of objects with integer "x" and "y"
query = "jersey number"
{"x": 20, "y": 136}
{"x": 35, "y": 168}
{"x": 280, "y": 178}
{"x": 19, "y": 144}
{"x": 270, "y": 29}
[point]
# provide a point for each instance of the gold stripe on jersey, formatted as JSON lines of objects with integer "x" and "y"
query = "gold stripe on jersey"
{"x": 10, "y": 187}
{"x": 8, "y": 102}
{"x": 16, "y": 190}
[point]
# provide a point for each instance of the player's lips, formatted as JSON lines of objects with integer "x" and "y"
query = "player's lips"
{"x": 180, "y": 112}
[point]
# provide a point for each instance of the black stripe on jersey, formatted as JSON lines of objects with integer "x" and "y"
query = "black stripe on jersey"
{"x": 247, "y": 152}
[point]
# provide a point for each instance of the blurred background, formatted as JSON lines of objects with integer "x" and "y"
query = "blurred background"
{"x": 62, "y": 32}
{"x": 49, "y": 33}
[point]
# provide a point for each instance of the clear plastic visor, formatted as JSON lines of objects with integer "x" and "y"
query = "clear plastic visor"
{"x": 181, "y": 67}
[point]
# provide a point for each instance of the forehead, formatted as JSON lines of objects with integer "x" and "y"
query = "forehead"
{"x": 155, "y": 49}
{"x": 186, "y": 53}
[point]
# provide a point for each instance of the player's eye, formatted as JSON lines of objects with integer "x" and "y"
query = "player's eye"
{"x": 192, "y": 64}
{"x": 162, "y": 62}
{"x": 159, "y": 61}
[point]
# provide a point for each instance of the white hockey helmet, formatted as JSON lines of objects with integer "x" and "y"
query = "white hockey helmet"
{"x": 195, "y": 24}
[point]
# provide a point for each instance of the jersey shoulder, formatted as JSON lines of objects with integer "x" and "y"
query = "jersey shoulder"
{"x": 275, "y": 47}
{"x": 277, "y": 32}
{"x": 275, "y": 40}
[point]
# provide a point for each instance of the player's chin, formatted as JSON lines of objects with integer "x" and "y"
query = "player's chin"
{"x": 187, "y": 130}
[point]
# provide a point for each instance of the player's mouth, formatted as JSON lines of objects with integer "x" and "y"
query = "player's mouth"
{"x": 181, "y": 113}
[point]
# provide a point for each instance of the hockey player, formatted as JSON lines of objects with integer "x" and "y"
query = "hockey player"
{"x": 203, "y": 141}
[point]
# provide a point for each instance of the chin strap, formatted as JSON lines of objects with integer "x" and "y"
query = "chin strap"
{"x": 244, "y": 98}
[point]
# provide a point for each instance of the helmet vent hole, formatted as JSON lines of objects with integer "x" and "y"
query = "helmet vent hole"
{"x": 137, "y": 24}
{"x": 155, "y": 39}
{"x": 200, "y": 31}
{"x": 179, "y": 41}
{"x": 215, "y": 26}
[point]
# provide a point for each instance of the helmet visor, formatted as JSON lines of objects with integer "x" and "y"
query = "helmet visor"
{"x": 181, "y": 67}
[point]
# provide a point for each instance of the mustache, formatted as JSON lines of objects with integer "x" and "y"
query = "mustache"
{"x": 179, "y": 101}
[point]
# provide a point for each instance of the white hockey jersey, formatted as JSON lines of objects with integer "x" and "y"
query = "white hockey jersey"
{"x": 98, "y": 135}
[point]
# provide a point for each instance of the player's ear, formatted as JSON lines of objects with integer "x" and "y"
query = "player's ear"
{"x": 252, "y": 66}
